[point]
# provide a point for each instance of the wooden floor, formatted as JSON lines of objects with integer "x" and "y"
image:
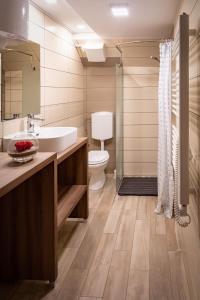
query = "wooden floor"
{"x": 124, "y": 251}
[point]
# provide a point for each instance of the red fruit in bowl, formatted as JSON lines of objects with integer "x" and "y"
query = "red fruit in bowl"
{"x": 23, "y": 145}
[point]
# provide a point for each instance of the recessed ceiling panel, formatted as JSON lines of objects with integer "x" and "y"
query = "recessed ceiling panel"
{"x": 147, "y": 19}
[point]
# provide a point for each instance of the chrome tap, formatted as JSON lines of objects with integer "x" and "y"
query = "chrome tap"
{"x": 30, "y": 122}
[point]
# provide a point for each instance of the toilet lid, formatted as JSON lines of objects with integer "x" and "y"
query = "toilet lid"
{"x": 97, "y": 157}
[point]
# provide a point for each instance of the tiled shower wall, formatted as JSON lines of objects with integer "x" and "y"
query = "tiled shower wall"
{"x": 62, "y": 93}
{"x": 189, "y": 237}
{"x": 140, "y": 109}
{"x": 140, "y": 121}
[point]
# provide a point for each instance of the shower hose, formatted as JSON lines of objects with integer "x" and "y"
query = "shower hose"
{"x": 181, "y": 216}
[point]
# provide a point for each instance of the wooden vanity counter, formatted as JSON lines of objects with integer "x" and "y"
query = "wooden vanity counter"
{"x": 12, "y": 173}
{"x": 35, "y": 199}
{"x": 28, "y": 218}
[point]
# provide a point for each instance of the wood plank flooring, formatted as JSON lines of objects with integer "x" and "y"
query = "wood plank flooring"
{"x": 123, "y": 252}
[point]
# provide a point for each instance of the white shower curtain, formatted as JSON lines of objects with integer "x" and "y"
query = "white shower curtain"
{"x": 165, "y": 170}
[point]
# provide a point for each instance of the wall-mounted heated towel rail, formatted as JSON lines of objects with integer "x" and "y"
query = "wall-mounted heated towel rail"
{"x": 180, "y": 113}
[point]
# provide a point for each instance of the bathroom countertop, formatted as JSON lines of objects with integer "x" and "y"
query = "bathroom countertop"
{"x": 12, "y": 173}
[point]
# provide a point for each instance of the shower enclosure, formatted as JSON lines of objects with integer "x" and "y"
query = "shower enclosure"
{"x": 119, "y": 125}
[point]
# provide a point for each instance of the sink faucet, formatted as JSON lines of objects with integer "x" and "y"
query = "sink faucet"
{"x": 30, "y": 122}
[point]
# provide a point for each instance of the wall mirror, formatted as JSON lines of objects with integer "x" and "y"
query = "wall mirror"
{"x": 20, "y": 80}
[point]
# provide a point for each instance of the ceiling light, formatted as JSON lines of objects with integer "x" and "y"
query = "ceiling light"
{"x": 81, "y": 26}
{"x": 120, "y": 10}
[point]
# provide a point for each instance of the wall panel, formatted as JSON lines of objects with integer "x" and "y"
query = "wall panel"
{"x": 141, "y": 76}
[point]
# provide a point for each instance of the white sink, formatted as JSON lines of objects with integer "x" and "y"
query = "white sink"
{"x": 51, "y": 139}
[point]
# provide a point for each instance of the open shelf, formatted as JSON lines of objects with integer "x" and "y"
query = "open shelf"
{"x": 62, "y": 190}
{"x": 72, "y": 182}
{"x": 68, "y": 200}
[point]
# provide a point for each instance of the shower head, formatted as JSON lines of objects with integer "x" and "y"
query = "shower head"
{"x": 155, "y": 58}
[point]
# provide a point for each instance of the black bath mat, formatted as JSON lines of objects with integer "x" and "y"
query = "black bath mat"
{"x": 139, "y": 186}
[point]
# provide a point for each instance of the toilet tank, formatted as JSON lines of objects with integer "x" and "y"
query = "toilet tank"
{"x": 102, "y": 125}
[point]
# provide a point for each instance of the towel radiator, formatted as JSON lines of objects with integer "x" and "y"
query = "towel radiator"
{"x": 180, "y": 115}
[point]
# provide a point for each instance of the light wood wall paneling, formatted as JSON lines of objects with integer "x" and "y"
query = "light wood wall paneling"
{"x": 140, "y": 109}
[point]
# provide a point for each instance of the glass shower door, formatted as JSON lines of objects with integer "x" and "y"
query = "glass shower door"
{"x": 119, "y": 125}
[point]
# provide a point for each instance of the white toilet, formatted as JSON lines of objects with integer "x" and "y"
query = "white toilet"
{"x": 102, "y": 129}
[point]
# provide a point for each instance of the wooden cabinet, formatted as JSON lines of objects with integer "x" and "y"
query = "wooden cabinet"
{"x": 35, "y": 199}
{"x": 73, "y": 182}
{"x": 28, "y": 218}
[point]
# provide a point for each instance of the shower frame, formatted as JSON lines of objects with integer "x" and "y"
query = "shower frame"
{"x": 119, "y": 124}
{"x": 120, "y": 176}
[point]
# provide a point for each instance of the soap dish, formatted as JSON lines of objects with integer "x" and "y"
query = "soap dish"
{"x": 23, "y": 147}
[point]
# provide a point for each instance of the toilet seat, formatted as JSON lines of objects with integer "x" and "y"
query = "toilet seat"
{"x": 97, "y": 157}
